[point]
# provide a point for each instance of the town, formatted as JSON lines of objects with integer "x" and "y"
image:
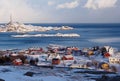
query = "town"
{"x": 105, "y": 59}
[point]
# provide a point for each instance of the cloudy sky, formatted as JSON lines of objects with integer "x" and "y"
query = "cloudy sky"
{"x": 61, "y": 11}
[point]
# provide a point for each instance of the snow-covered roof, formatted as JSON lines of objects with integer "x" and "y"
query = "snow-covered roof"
{"x": 18, "y": 60}
{"x": 68, "y": 56}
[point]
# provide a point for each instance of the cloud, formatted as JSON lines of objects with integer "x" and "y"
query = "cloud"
{"x": 100, "y": 4}
{"x": 51, "y": 3}
{"x": 91, "y": 4}
{"x": 20, "y": 10}
{"x": 69, "y": 5}
{"x": 44, "y": 11}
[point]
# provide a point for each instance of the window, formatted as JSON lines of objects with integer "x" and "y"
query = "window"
{"x": 112, "y": 62}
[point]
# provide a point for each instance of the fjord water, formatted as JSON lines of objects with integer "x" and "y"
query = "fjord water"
{"x": 90, "y": 35}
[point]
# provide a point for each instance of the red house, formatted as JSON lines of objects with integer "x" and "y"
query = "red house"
{"x": 17, "y": 62}
{"x": 35, "y": 50}
{"x": 55, "y": 61}
{"x": 106, "y": 55}
{"x": 67, "y": 57}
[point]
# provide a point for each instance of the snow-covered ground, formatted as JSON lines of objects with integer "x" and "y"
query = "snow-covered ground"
{"x": 16, "y": 73}
{"x": 22, "y": 28}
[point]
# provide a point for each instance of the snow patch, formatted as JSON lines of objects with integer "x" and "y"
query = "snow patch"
{"x": 48, "y": 35}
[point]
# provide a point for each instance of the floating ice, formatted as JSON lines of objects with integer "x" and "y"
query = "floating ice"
{"x": 49, "y": 35}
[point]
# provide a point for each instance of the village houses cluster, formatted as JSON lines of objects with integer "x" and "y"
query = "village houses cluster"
{"x": 104, "y": 58}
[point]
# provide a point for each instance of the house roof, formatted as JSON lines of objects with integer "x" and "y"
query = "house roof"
{"x": 68, "y": 56}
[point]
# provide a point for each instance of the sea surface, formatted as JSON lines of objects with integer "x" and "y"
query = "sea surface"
{"x": 90, "y": 35}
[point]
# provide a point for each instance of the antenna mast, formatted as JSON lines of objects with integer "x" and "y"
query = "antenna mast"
{"x": 11, "y": 18}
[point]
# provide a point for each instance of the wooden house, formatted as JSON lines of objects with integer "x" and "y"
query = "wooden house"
{"x": 34, "y": 51}
{"x": 77, "y": 53}
{"x": 107, "y": 55}
{"x": 55, "y": 61}
{"x": 114, "y": 59}
{"x": 90, "y": 52}
{"x": 67, "y": 57}
{"x": 104, "y": 66}
{"x": 17, "y": 62}
{"x": 111, "y": 50}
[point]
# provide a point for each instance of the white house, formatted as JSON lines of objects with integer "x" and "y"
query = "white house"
{"x": 114, "y": 59}
{"x": 111, "y": 50}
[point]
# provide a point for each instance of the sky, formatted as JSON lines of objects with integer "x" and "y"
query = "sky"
{"x": 60, "y": 11}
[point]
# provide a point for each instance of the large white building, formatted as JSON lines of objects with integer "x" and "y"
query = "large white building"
{"x": 115, "y": 59}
